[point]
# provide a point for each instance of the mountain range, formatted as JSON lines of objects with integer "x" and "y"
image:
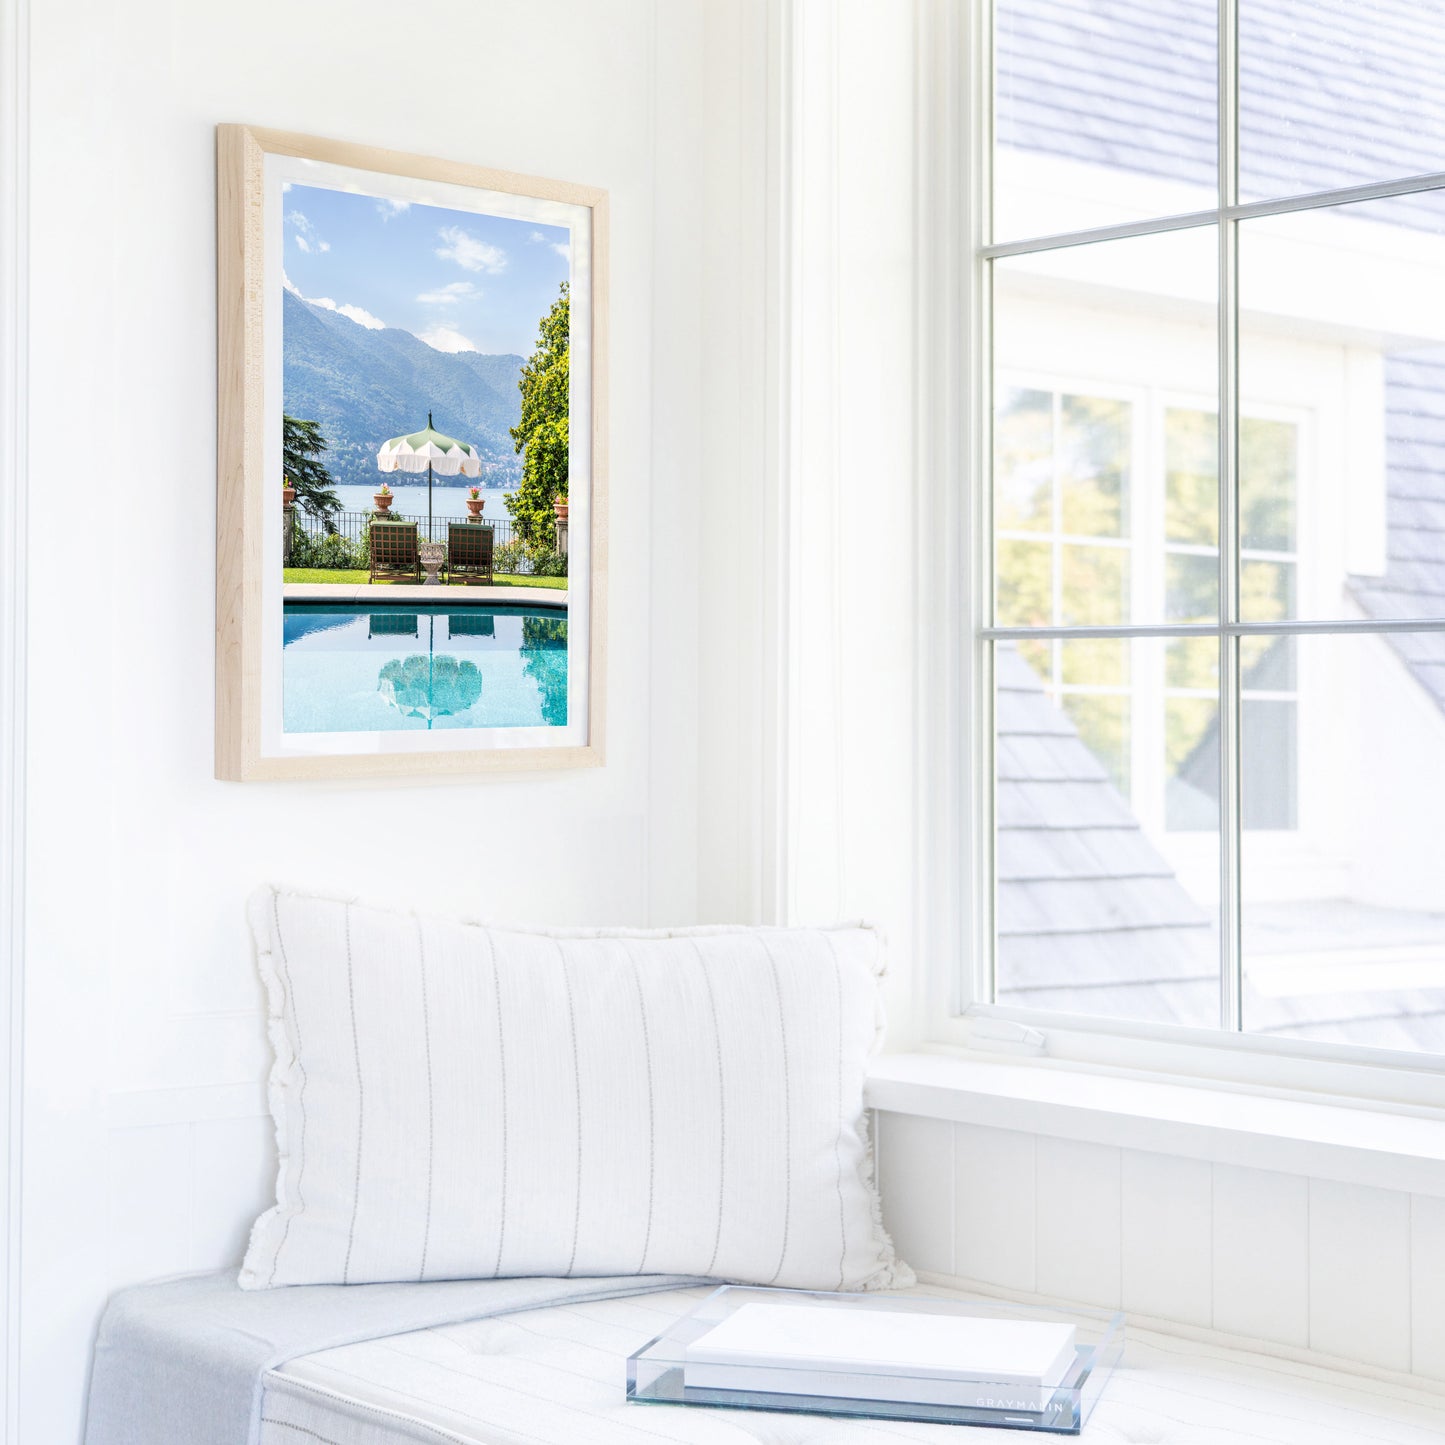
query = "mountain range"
{"x": 363, "y": 386}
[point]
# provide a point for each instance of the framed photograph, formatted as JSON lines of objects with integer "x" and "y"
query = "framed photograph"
{"x": 412, "y": 483}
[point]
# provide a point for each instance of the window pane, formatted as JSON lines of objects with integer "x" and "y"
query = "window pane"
{"x": 1191, "y": 747}
{"x": 1104, "y": 112}
{"x": 1094, "y": 662}
{"x": 1191, "y": 476}
{"x": 1268, "y": 473}
{"x": 1344, "y": 916}
{"x": 1342, "y": 363}
{"x": 1095, "y": 586}
{"x": 1095, "y": 453}
{"x": 1025, "y": 583}
{"x": 1191, "y": 582}
{"x": 1338, "y": 92}
{"x": 1087, "y": 340}
{"x": 1024, "y": 460}
{"x": 1192, "y": 663}
{"x": 1267, "y": 664}
{"x": 1102, "y": 909}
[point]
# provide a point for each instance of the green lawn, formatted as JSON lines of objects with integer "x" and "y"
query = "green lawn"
{"x": 359, "y": 577}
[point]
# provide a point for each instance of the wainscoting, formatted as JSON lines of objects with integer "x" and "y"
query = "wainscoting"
{"x": 1345, "y": 1270}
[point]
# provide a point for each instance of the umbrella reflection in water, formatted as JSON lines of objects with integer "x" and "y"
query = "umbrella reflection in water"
{"x": 429, "y": 687}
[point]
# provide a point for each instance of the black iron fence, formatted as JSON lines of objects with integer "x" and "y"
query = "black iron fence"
{"x": 352, "y": 526}
{"x": 344, "y": 546}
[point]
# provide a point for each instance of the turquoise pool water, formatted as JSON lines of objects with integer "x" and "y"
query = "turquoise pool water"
{"x": 360, "y": 669}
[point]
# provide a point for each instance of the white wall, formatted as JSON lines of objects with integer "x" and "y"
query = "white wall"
{"x": 850, "y": 781}
{"x": 1298, "y": 1263}
{"x": 145, "y": 1146}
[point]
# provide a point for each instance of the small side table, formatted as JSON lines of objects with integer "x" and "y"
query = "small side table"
{"x": 432, "y": 555}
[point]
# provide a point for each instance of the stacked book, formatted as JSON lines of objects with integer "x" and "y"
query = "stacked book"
{"x": 1011, "y": 1369}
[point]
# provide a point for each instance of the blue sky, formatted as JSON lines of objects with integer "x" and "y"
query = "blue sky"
{"x": 458, "y": 280}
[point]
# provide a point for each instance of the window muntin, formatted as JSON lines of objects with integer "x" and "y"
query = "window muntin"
{"x": 1315, "y": 327}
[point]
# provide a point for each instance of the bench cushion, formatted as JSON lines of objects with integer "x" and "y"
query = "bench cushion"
{"x": 556, "y": 1376}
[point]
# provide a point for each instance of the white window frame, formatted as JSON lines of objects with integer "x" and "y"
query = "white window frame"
{"x": 956, "y": 925}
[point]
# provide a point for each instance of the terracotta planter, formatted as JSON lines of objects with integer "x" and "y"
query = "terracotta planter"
{"x": 384, "y": 500}
{"x": 289, "y": 494}
{"x": 475, "y": 505}
{"x": 560, "y": 508}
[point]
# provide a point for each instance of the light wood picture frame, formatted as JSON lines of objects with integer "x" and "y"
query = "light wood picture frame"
{"x": 371, "y": 307}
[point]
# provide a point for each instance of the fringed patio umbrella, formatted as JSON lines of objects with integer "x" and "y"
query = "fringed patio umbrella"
{"x": 427, "y": 451}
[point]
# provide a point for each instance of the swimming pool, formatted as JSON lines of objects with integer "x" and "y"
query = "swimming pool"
{"x": 361, "y": 668}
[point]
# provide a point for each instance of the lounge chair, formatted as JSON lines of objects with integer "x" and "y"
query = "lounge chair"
{"x": 469, "y": 552}
{"x": 394, "y": 551}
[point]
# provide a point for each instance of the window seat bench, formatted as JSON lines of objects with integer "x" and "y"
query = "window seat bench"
{"x": 555, "y": 1376}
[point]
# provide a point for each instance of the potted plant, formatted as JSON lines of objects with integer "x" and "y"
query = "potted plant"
{"x": 288, "y": 492}
{"x": 475, "y": 502}
{"x": 559, "y": 505}
{"x": 383, "y": 498}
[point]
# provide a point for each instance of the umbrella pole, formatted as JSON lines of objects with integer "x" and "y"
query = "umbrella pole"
{"x": 428, "y": 501}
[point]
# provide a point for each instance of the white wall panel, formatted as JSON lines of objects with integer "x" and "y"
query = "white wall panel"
{"x": 1261, "y": 1254}
{"x": 1078, "y": 1221}
{"x": 1341, "y": 1269}
{"x": 1165, "y": 1236}
{"x": 1360, "y": 1273}
{"x": 1427, "y": 1286}
{"x": 994, "y": 1209}
{"x": 150, "y": 1202}
{"x": 916, "y": 1178}
{"x": 234, "y": 1179}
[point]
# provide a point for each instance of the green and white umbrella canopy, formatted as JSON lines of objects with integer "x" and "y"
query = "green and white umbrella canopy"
{"x": 428, "y": 448}
{"x": 429, "y": 451}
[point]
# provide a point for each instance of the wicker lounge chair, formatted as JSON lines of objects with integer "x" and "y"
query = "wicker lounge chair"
{"x": 469, "y": 552}
{"x": 394, "y": 551}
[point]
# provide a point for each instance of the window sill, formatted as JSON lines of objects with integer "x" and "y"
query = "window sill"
{"x": 1321, "y": 1138}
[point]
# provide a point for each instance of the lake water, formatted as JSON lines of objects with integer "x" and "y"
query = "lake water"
{"x": 411, "y": 501}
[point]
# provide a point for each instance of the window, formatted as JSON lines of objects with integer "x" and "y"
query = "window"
{"x": 1215, "y": 630}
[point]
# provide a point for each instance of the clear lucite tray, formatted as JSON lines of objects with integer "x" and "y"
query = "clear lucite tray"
{"x": 655, "y": 1373}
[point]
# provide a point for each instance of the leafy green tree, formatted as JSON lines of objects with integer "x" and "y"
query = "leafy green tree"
{"x": 542, "y": 432}
{"x": 302, "y": 445}
{"x": 544, "y": 660}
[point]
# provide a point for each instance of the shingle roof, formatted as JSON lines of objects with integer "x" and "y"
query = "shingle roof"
{"x": 1330, "y": 94}
{"x": 1092, "y": 919}
{"x": 1413, "y": 583}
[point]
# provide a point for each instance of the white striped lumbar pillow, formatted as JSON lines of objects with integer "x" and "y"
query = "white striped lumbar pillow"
{"x": 454, "y": 1101}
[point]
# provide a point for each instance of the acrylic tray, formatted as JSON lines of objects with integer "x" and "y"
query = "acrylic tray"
{"x": 655, "y": 1372}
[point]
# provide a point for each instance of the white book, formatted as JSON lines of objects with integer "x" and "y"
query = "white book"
{"x": 870, "y": 1353}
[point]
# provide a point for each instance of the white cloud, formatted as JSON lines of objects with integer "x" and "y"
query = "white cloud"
{"x": 388, "y": 206}
{"x": 289, "y": 285}
{"x": 285, "y": 186}
{"x": 450, "y": 294}
{"x": 469, "y": 253}
{"x": 446, "y": 338}
{"x": 562, "y": 248}
{"x": 358, "y": 314}
{"x": 306, "y": 237}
